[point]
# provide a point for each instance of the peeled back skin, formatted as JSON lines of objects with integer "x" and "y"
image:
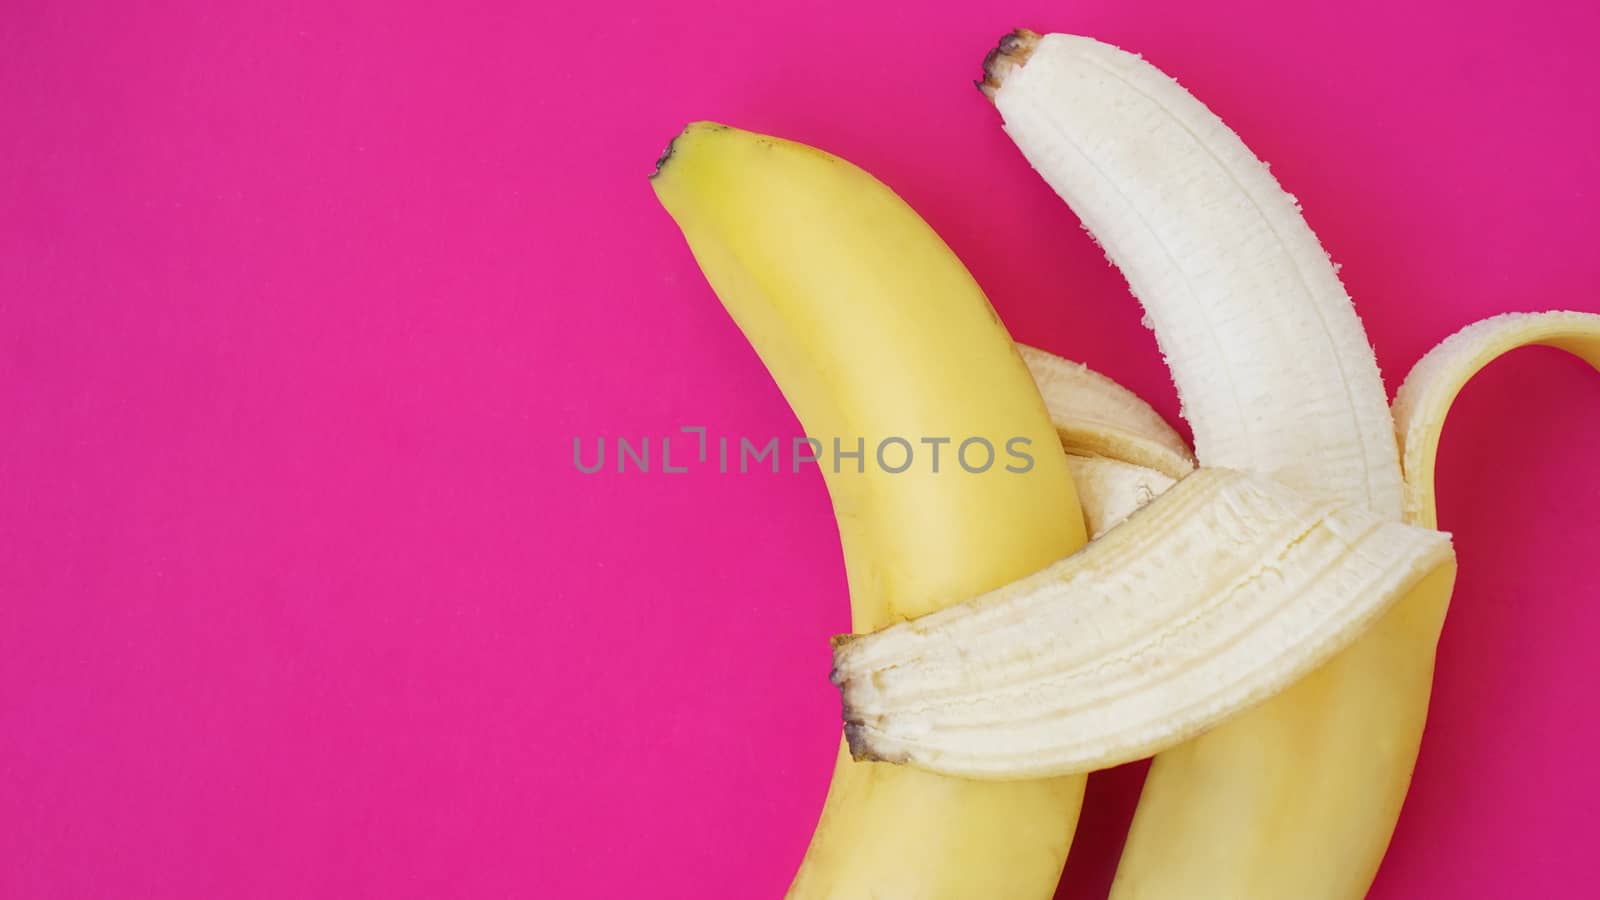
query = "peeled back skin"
{"x": 1216, "y": 595}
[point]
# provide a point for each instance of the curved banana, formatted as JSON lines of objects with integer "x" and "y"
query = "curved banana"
{"x": 1276, "y": 377}
{"x": 874, "y": 330}
{"x": 1297, "y": 797}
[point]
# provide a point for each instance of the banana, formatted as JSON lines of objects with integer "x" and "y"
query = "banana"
{"x": 1215, "y": 596}
{"x": 873, "y": 329}
{"x": 1276, "y": 377}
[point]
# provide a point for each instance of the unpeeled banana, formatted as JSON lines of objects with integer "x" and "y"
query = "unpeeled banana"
{"x": 873, "y": 329}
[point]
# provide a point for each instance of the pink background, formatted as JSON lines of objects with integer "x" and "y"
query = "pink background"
{"x": 300, "y": 311}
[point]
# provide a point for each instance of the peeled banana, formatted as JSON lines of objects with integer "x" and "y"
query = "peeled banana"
{"x": 1276, "y": 377}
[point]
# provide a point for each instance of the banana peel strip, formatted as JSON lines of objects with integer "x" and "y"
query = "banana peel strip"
{"x": 1095, "y": 416}
{"x": 1221, "y": 592}
{"x": 1122, "y": 454}
{"x": 1424, "y": 399}
{"x": 1110, "y": 490}
{"x": 1194, "y": 609}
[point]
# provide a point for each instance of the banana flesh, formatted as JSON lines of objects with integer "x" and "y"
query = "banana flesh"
{"x": 1271, "y": 363}
{"x": 1216, "y": 595}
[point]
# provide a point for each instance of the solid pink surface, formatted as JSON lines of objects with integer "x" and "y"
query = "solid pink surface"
{"x": 301, "y": 310}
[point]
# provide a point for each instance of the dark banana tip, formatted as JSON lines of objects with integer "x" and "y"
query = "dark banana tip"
{"x": 666, "y": 154}
{"x": 1010, "y": 52}
{"x": 672, "y": 145}
{"x": 862, "y": 750}
{"x": 839, "y": 643}
{"x": 855, "y": 736}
